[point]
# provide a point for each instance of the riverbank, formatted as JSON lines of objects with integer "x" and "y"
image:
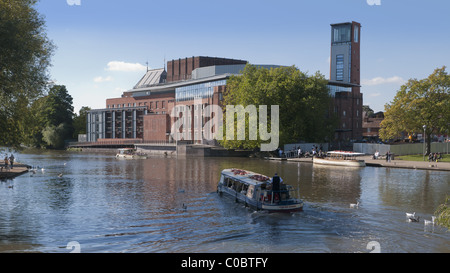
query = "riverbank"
{"x": 17, "y": 170}
{"x": 370, "y": 162}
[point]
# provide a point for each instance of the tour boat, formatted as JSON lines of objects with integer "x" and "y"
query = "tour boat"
{"x": 341, "y": 158}
{"x": 129, "y": 153}
{"x": 255, "y": 190}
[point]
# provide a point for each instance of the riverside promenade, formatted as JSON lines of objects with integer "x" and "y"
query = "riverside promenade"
{"x": 370, "y": 162}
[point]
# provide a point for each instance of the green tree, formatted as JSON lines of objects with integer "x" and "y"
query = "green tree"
{"x": 54, "y": 136}
{"x": 58, "y": 107}
{"x": 79, "y": 121}
{"x": 48, "y": 113}
{"x": 304, "y": 103}
{"x": 25, "y": 53}
{"x": 418, "y": 103}
{"x": 366, "y": 109}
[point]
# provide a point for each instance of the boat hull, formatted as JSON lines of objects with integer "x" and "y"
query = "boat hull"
{"x": 283, "y": 208}
{"x": 337, "y": 162}
{"x": 131, "y": 156}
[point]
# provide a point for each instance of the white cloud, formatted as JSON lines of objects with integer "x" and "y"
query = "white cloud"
{"x": 125, "y": 67}
{"x": 381, "y": 80}
{"x": 103, "y": 79}
{"x": 374, "y": 94}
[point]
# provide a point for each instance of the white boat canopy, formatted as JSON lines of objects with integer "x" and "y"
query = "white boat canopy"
{"x": 344, "y": 153}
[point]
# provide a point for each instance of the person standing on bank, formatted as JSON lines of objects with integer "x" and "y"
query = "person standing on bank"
{"x": 6, "y": 162}
{"x": 11, "y": 160}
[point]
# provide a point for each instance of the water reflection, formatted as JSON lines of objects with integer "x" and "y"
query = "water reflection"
{"x": 336, "y": 184}
{"x": 111, "y": 205}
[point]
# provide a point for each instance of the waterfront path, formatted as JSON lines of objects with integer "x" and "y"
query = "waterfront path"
{"x": 18, "y": 169}
{"x": 420, "y": 165}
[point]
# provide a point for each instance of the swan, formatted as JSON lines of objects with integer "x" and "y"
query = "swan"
{"x": 411, "y": 215}
{"x": 353, "y": 206}
{"x": 428, "y": 222}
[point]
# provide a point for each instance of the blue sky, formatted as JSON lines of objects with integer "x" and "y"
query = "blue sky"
{"x": 103, "y": 45}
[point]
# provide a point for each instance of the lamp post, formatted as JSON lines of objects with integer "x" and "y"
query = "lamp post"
{"x": 424, "y": 128}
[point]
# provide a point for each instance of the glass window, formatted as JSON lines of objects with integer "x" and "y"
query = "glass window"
{"x": 342, "y": 33}
{"x": 340, "y": 67}
{"x": 192, "y": 92}
{"x": 356, "y": 34}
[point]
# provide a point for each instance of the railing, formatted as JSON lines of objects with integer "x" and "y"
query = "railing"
{"x": 128, "y": 142}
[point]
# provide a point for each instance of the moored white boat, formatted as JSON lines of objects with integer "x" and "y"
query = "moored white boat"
{"x": 129, "y": 153}
{"x": 341, "y": 158}
{"x": 255, "y": 190}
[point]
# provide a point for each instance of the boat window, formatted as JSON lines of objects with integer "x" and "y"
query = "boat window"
{"x": 250, "y": 191}
{"x": 238, "y": 186}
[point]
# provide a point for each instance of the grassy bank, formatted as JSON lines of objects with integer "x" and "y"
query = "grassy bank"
{"x": 445, "y": 158}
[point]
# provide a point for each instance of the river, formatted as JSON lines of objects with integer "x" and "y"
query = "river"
{"x": 170, "y": 205}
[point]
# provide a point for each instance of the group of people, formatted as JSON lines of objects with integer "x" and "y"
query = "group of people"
{"x": 298, "y": 152}
{"x": 434, "y": 157}
{"x": 8, "y": 161}
{"x": 388, "y": 156}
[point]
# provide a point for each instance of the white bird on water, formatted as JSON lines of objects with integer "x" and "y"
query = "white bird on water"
{"x": 428, "y": 222}
{"x": 411, "y": 215}
{"x": 354, "y": 206}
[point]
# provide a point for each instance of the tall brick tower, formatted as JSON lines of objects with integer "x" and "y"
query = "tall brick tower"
{"x": 345, "y": 70}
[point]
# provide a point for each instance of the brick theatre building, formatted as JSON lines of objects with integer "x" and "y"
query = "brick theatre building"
{"x": 142, "y": 114}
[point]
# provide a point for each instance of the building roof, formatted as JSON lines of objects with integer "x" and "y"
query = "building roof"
{"x": 152, "y": 77}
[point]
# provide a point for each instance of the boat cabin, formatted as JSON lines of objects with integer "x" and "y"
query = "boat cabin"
{"x": 256, "y": 191}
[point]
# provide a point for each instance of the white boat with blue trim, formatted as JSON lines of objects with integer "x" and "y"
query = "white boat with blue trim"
{"x": 258, "y": 192}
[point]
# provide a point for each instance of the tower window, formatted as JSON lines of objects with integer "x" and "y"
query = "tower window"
{"x": 356, "y": 34}
{"x": 341, "y": 33}
{"x": 340, "y": 67}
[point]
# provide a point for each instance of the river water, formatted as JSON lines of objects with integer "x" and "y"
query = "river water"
{"x": 171, "y": 205}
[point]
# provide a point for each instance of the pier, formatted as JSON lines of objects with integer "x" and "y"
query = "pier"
{"x": 17, "y": 170}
